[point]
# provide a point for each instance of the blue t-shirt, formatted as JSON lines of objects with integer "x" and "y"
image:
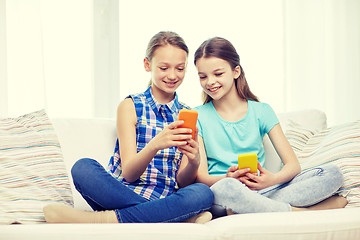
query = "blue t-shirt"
{"x": 224, "y": 140}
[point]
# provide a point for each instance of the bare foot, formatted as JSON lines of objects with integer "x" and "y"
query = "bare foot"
{"x": 329, "y": 203}
{"x": 229, "y": 212}
{"x": 201, "y": 218}
{"x": 61, "y": 213}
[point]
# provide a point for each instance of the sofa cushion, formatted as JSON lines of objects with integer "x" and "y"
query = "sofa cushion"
{"x": 339, "y": 145}
{"x": 85, "y": 138}
{"x": 310, "y": 118}
{"x": 32, "y": 169}
{"x": 127, "y": 231}
{"x": 325, "y": 224}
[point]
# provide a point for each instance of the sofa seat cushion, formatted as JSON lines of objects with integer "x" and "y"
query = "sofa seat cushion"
{"x": 325, "y": 224}
{"x": 131, "y": 231}
{"x": 32, "y": 169}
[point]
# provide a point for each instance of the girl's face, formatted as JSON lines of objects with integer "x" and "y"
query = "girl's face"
{"x": 217, "y": 77}
{"x": 167, "y": 68}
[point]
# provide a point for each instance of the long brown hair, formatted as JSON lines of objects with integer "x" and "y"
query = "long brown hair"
{"x": 221, "y": 48}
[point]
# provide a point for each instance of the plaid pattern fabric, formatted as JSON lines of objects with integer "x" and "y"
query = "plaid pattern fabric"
{"x": 159, "y": 178}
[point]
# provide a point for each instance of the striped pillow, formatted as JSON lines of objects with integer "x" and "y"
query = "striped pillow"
{"x": 32, "y": 171}
{"x": 339, "y": 145}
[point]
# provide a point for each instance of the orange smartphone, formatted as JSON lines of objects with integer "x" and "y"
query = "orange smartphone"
{"x": 190, "y": 118}
{"x": 248, "y": 160}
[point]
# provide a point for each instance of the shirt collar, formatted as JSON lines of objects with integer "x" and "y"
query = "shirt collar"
{"x": 172, "y": 106}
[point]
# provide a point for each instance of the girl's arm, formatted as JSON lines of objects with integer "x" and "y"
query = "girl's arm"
{"x": 291, "y": 164}
{"x": 203, "y": 175}
{"x": 134, "y": 164}
{"x": 190, "y": 162}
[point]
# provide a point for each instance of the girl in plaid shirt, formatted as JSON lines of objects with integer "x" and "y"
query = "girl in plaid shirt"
{"x": 152, "y": 172}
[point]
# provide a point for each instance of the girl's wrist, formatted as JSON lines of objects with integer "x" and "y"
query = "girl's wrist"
{"x": 194, "y": 164}
{"x": 152, "y": 146}
{"x": 277, "y": 179}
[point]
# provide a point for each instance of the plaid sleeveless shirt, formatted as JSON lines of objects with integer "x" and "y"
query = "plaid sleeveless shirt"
{"x": 159, "y": 178}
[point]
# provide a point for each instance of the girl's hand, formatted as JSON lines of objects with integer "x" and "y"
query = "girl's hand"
{"x": 190, "y": 161}
{"x": 235, "y": 172}
{"x": 171, "y": 136}
{"x": 191, "y": 149}
{"x": 255, "y": 182}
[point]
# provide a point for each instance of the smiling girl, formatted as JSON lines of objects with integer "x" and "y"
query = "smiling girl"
{"x": 232, "y": 121}
{"x": 155, "y": 163}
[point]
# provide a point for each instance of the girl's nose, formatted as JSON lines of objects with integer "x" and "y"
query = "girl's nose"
{"x": 211, "y": 81}
{"x": 172, "y": 75}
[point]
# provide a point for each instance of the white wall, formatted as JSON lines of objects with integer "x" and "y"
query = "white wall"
{"x": 254, "y": 27}
{"x": 49, "y": 57}
{"x": 3, "y": 64}
{"x": 23, "y": 55}
{"x": 80, "y": 58}
{"x": 323, "y": 57}
{"x": 106, "y": 57}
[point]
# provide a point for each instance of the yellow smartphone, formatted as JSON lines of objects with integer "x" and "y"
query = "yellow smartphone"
{"x": 190, "y": 118}
{"x": 248, "y": 160}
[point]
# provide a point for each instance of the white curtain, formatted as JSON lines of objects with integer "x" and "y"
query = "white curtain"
{"x": 254, "y": 27}
{"x": 322, "y": 61}
{"x": 3, "y": 66}
{"x": 59, "y": 55}
{"x": 80, "y": 58}
{"x": 48, "y": 57}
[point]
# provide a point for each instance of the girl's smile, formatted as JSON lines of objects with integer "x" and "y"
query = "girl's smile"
{"x": 170, "y": 84}
{"x": 167, "y": 69}
{"x": 216, "y": 77}
{"x": 214, "y": 90}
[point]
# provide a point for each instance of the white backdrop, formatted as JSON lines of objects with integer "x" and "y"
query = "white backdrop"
{"x": 254, "y": 27}
{"x": 63, "y": 56}
{"x": 322, "y": 59}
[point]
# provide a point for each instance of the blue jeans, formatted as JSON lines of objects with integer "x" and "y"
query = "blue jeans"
{"x": 306, "y": 189}
{"x": 103, "y": 192}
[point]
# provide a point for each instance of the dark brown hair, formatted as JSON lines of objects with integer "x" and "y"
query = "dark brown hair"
{"x": 221, "y": 48}
{"x": 163, "y": 38}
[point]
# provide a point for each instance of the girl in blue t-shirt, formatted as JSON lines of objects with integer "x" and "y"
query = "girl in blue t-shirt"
{"x": 233, "y": 121}
{"x": 152, "y": 172}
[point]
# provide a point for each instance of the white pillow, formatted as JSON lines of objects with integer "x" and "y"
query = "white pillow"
{"x": 310, "y": 118}
{"x": 339, "y": 145}
{"x": 32, "y": 171}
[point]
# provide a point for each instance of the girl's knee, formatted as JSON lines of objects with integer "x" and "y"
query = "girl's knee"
{"x": 78, "y": 169}
{"x": 226, "y": 185}
{"x": 333, "y": 169}
{"x": 199, "y": 194}
{"x": 228, "y": 188}
{"x": 205, "y": 193}
{"x": 334, "y": 174}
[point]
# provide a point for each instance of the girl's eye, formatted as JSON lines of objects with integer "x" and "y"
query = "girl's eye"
{"x": 218, "y": 74}
{"x": 202, "y": 77}
{"x": 181, "y": 69}
{"x": 163, "y": 68}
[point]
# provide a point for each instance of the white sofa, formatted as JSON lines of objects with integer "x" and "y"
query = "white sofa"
{"x": 95, "y": 138}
